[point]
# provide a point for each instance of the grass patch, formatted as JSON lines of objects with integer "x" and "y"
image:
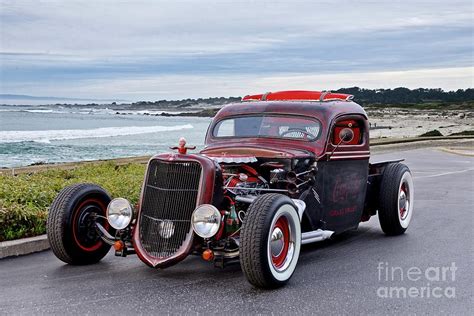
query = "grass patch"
{"x": 25, "y": 198}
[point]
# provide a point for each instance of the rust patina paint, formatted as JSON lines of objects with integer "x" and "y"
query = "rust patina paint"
{"x": 326, "y": 112}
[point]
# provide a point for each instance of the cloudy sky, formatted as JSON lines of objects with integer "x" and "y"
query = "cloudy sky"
{"x": 148, "y": 50}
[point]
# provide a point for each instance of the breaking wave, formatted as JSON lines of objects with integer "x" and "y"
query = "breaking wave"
{"x": 103, "y": 132}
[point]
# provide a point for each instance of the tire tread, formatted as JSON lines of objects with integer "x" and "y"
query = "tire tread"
{"x": 56, "y": 223}
{"x": 388, "y": 208}
{"x": 253, "y": 240}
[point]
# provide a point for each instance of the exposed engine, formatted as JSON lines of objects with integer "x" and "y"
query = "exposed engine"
{"x": 250, "y": 180}
{"x": 244, "y": 180}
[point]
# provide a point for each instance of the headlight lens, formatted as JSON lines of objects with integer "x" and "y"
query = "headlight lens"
{"x": 206, "y": 220}
{"x": 119, "y": 213}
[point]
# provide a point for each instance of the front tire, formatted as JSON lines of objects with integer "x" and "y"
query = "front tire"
{"x": 270, "y": 241}
{"x": 396, "y": 199}
{"x": 71, "y": 224}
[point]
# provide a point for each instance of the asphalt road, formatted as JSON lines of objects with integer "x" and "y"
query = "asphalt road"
{"x": 344, "y": 276}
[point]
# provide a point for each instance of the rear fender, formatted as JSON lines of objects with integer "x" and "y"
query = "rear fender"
{"x": 376, "y": 171}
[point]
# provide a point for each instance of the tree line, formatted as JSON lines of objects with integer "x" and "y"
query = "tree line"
{"x": 407, "y": 96}
{"x": 362, "y": 96}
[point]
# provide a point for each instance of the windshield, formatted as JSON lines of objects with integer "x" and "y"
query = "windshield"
{"x": 293, "y": 127}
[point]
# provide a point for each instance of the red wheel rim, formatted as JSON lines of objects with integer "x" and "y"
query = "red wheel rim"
{"x": 281, "y": 225}
{"x": 79, "y": 211}
{"x": 403, "y": 208}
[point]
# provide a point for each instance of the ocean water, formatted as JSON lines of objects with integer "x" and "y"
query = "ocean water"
{"x": 51, "y": 134}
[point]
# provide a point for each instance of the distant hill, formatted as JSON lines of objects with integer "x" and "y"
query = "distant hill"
{"x": 30, "y": 97}
{"x": 186, "y": 103}
{"x": 397, "y": 96}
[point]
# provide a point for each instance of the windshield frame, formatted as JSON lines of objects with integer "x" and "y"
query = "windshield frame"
{"x": 310, "y": 118}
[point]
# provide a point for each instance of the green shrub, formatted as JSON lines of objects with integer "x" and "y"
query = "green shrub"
{"x": 25, "y": 198}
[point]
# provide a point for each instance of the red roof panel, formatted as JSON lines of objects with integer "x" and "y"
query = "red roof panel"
{"x": 298, "y": 95}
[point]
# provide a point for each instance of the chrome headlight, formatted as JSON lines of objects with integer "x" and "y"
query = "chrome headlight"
{"x": 119, "y": 213}
{"x": 206, "y": 220}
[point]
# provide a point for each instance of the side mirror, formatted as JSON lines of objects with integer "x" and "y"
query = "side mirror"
{"x": 346, "y": 135}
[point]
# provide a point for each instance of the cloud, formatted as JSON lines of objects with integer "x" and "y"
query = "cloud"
{"x": 68, "y": 44}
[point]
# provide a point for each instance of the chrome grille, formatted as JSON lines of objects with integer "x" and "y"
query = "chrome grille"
{"x": 169, "y": 199}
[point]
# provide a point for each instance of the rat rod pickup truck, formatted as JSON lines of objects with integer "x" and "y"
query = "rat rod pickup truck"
{"x": 278, "y": 170}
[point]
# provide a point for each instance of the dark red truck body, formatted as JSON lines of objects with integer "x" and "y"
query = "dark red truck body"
{"x": 278, "y": 170}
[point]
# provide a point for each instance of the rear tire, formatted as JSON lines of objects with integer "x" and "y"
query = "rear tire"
{"x": 270, "y": 241}
{"x": 71, "y": 226}
{"x": 396, "y": 199}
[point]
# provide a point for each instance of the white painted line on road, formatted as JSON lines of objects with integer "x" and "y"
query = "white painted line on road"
{"x": 445, "y": 173}
{"x": 463, "y": 152}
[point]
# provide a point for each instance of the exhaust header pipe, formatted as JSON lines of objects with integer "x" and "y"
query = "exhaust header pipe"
{"x": 292, "y": 176}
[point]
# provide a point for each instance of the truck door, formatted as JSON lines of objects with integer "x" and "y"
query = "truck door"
{"x": 344, "y": 174}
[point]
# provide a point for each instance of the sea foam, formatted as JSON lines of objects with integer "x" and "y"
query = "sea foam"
{"x": 50, "y": 135}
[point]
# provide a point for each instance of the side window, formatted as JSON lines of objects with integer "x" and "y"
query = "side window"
{"x": 225, "y": 129}
{"x": 355, "y": 125}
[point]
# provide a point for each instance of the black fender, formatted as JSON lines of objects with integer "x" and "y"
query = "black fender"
{"x": 374, "y": 179}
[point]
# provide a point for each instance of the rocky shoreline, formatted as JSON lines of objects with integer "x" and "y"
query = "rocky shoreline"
{"x": 210, "y": 112}
{"x": 398, "y": 122}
